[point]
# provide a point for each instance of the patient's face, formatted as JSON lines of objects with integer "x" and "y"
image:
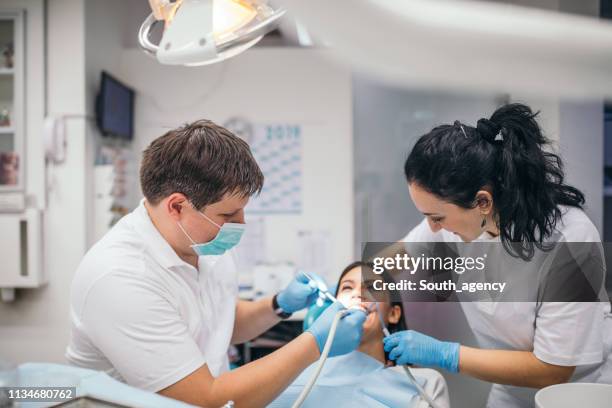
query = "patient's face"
{"x": 349, "y": 293}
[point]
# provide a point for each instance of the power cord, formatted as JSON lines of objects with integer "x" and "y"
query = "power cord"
{"x": 324, "y": 354}
{"x": 420, "y": 389}
{"x": 411, "y": 377}
{"x": 326, "y": 348}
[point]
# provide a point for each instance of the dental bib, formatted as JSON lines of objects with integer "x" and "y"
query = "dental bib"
{"x": 352, "y": 380}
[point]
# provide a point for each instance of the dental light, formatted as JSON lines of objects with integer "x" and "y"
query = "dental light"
{"x": 202, "y": 32}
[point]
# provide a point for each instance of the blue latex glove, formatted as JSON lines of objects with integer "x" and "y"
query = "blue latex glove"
{"x": 348, "y": 332}
{"x": 299, "y": 294}
{"x": 412, "y": 347}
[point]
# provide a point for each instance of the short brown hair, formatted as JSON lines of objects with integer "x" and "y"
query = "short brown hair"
{"x": 202, "y": 160}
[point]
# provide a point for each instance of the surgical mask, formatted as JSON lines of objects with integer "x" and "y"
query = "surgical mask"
{"x": 228, "y": 237}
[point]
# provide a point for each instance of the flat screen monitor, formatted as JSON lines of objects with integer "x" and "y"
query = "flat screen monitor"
{"x": 115, "y": 108}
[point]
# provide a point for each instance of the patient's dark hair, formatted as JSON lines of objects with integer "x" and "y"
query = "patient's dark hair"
{"x": 505, "y": 154}
{"x": 393, "y": 327}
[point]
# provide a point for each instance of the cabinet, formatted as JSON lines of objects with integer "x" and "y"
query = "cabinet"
{"x": 12, "y": 104}
{"x": 22, "y": 177}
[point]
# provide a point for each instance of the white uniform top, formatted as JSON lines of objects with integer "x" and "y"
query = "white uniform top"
{"x": 561, "y": 333}
{"x": 143, "y": 315}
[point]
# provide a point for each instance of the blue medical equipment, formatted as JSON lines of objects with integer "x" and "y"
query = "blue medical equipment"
{"x": 323, "y": 290}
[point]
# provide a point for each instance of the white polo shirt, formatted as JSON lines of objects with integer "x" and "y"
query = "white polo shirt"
{"x": 143, "y": 315}
{"x": 560, "y": 333}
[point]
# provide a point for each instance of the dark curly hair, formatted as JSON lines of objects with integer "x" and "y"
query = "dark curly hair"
{"x": 506, "y": 154}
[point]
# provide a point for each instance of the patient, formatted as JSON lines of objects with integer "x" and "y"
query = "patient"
{"x": 361, "y": 378}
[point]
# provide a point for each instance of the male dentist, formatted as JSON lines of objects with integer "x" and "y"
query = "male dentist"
{"x": 154, "y": 302}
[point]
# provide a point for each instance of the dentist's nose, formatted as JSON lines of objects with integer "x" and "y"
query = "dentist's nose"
{"x": 435, "y": 227}
{"x": 239, "y": 218}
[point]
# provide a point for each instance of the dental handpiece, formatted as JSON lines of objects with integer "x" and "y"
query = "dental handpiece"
{"x": 328, "y": 295}
{"x": 321, "y": 287}
{"x": 382, "y": 322}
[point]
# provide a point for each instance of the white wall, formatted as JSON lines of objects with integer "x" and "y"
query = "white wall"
{"x": 36, "y": 327}
{"x": 388, "y": 121}
{"x": 104, "y": 26}
{"x": 581, "y": 142}
{"x": 575, "y": 127}
{"x": 104, "y": 43}
{"x": 278, "y": 85}
{"x": 577, "y": 134}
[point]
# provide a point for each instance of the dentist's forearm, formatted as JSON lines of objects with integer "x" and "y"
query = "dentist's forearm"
{"x": 258, "y": 383}
{"x": 252, "y": 319}
{"x": 519, "y": 368}
{"x": 253, "y": 385}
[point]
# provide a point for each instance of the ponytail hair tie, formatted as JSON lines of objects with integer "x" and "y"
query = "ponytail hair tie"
{"x": 490, "y": 131}
{"x": 460, "y": 126}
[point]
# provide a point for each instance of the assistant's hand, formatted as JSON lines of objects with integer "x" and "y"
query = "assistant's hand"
{"x": 298, "y": 295}
{"x": 412, "y": 347}
{"x": 348, "y": 332}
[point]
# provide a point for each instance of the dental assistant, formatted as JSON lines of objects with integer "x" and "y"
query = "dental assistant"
{"x": 499, "y": 182}
{"x": 155, "y": 302}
